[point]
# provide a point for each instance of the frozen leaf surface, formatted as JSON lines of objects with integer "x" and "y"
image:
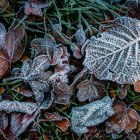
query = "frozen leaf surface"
{"x": 20, "y": 121}
{"x": 123, "y": 119}
{"x": 34, "y": 73}
{"x": 34, "y": 7}
{"x": 63, "y": 92}
{"x": 16, "y": 106}
{"x": 90, "y": 89}
{"x": 116, "y": 54}
{"x": 42, "y": 44}
{"x": 91, "y": 114}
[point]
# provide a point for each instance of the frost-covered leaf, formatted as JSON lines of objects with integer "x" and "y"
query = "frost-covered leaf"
{"x": 115, "y": 55}
{"x": 20, "y": 121}
{"x": 123, "y": 119}
{"x": 3, "y": 4}
{"x": 42, "y": 44}
{"x": 61, "y": 122}
{"x": 11, "y": 47}
{"x": 76, "y": 51}
{"x": 16, "y": 106}
{"x": 34, "y": 73}
{"x": 90, "y": 89}
{"x": 123, "y": 91}
{"x": 3, "y": 121}
{"x": 60, "y": 56}
{"x": 80, "y": 36}
{"x": 91, "y": 114}
{"x": 34, "y": 7}
{"x": 2, "y": 33}
{"x": 63, "y": 92}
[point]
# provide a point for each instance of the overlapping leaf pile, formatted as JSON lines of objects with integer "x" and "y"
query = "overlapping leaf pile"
{"x": 72, "y": 83}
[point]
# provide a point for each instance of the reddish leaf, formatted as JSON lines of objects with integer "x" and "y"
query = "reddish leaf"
{"x": 90, "y": 134}
{"x": 20, "y": 121}
{"x": 61, "y": 122}
{"x": 123, "y": 119}
{"x": 90, "y": 89}
{"x": 34, "y": 7}
{"x": 137, "y": 86}
{"x": 63, "y": 93}
{"x": 3, "y": 4}
{"x": 123, "y": 91}
{"x": 76, "y": 51}
{"x": 4, "y": 65}
{"x": 40, "y": 45}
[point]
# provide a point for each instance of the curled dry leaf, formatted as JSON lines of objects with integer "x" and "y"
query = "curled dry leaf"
{"x": 90, "y": 89}
{"x": 123, "y": 91}
{"x": 123, "y": 119}
{"x": 63, "y": 92}
{"x": 11, "y": 46}
{"x": 16, "y": 106}
{"x": 115, "y": 55}
{"x": 91, "y": 114}
{"x": 61, "y": 122}
{"x": 42, "y": 44}
{"x": 34, "y": 7}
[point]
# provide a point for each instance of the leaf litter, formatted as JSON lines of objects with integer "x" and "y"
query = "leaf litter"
{"x": 62, "y": 85}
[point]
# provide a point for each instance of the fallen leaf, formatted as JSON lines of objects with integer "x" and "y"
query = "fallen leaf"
{"x": 123, "y": 91}
{"x": 16, "y": 106}
{"x": 91, "y": 114}
{"x": 34, "y": 7}
{"x": 23, "y": 91}
{"x": 61, "y": 122}
{"x": 76, "y": 51}
{"x": 91, "y": 132}
{"x": 2, "y": 90}
{"x": 123, "y": 119}
{"x": 42, "y": 44}
{"x": 137, "y": 86}
{"x": 11, "y": 46}
{"x": 63, "y": 93}
{"x": 80, "y": 36}
{"x": 113, "y": 56}
{"x": 90, "y": 89}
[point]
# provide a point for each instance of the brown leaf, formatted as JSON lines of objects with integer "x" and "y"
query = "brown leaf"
{"x": 90, "y": 89}
{"x": 34, "y": 7}
{"x": 90, "y": 134}
{"x": 4, "y": 65}
{"x": 2, "y": 90}
{"x": 137, "y": 86}
{"x": 3, "y": 4}
{"x": 61, "y": 122}
{"x": 123, "y": 119}
{"x": 123, "y": 91}
{"x": 76, "y": 51}
{"x": 137, "y": 130}
{"x": 63, "y": 93}
{"x": 41, "y": 45}
{"x": 23, "y": 91}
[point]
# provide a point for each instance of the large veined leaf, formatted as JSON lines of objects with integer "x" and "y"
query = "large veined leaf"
{"x": 116, "y": 54}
